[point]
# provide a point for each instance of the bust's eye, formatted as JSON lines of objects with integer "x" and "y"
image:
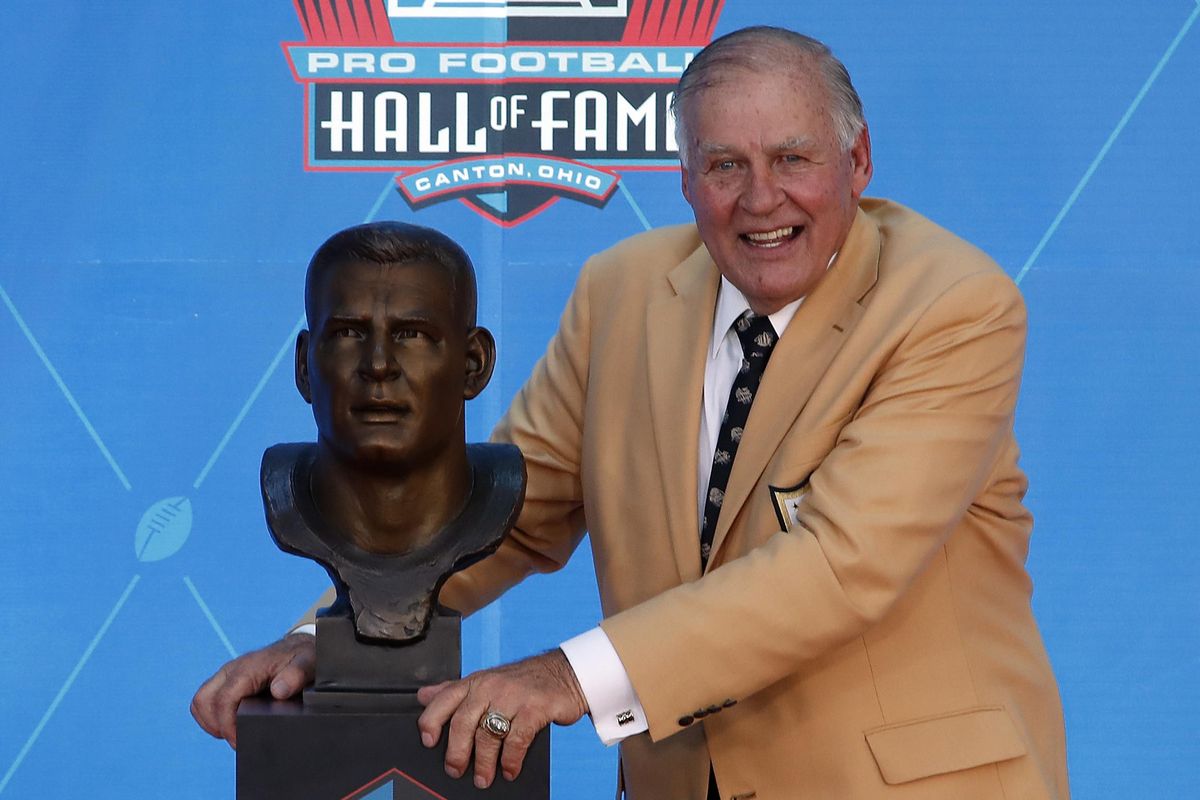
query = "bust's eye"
{"x": 409, "y": 333}
{"x": 346, "y": 332}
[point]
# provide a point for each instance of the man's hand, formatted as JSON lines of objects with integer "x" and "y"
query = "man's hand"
{"x": 531, "y": 693}
{"x": 287, "y": 665}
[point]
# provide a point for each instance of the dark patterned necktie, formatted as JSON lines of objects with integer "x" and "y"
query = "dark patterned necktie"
{"x": 758, "y": 339}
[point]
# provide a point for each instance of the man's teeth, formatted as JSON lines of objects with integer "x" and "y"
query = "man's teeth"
{"x": 770, "y": 238}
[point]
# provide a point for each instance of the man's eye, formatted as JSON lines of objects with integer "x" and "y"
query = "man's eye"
{"x": 724, "y": 166}
{"x": 347, "y": 333}
{"x": 409, "y": 333}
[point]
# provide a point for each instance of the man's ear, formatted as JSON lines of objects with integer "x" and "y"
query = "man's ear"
{"x": 481, "y": 360}
{"x": 302, "y": 383}
{"x": 861, "y": 166}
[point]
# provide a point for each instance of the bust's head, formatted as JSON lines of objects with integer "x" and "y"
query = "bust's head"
{"x": 392, "y": 351}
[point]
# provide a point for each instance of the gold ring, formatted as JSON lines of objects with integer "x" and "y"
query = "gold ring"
{"x": 495, "y": 724}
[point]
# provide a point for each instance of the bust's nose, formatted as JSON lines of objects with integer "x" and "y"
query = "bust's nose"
{"x": 379, "y": 362}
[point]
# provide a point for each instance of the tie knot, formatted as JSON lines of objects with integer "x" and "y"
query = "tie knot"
{"x": 756, "y": 334}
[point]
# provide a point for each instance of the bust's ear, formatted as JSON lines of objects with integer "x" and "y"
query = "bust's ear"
{"x": 481, "y": 360}
{"x": 302, "y": 367}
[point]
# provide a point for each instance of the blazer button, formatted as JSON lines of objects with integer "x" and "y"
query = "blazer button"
{"x": 712, "y": 709}
{"x": 685, "y": 720}
{"x": 729, "y": 703}
{"x": 700, "y": 713}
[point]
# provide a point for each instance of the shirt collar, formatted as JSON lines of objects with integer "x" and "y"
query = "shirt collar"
{"x": 731, "y": 304}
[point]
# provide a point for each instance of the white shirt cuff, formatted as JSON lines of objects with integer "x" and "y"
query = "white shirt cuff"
{"x": 309, "y": 627}
{"x": 614, "y": 706}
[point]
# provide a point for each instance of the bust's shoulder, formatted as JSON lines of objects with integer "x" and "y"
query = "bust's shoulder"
{"x": 277, "y": 474}
{"x": 285, "y": 456}
{"x": 500, "y": 463}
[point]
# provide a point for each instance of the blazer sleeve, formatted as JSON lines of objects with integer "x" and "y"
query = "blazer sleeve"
{"x": 900, "y": 477}
{"x": 545, "y": 420}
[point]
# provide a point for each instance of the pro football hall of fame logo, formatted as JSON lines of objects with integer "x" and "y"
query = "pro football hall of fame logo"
{"x": 505, "y": 105}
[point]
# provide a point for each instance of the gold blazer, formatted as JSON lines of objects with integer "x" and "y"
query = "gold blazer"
{"x": 863, "y": 629}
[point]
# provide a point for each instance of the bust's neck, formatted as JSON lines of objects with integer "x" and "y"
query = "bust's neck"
{"x": 390, "y": 512}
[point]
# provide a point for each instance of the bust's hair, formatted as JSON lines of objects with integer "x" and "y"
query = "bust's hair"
{"x": 395, "y": 243}
{"x": 766, "y": 49}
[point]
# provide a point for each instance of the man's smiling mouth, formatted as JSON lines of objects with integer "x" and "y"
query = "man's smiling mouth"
{"x": 775, "y": 238}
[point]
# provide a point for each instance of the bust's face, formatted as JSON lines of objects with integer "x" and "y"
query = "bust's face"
{"x": 386, "y": 363}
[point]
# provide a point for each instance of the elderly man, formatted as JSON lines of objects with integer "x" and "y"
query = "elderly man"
{"x": 788, "y": 429}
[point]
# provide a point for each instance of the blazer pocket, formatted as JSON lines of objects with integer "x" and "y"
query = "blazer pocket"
{"x": 907, "y": 751}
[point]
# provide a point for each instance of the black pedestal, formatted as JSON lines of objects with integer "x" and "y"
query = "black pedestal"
{"x": 289, "y": 751}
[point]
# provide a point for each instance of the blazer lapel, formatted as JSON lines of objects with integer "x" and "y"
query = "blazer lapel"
{"x": 801, "y": 356}
{"x": 678, "y": 330}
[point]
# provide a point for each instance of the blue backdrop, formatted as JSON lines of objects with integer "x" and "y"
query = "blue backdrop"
{"x": 156, "y": 217}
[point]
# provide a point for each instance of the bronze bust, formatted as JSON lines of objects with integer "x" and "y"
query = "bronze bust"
{"x": 390, "y": 500}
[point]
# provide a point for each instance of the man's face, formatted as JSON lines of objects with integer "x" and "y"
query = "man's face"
{"x": 773, "y": 192}
{"x": 387, "y": 363}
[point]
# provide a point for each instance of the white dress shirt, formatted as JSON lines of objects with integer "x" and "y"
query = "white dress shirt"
{"x": 614, "y": 706}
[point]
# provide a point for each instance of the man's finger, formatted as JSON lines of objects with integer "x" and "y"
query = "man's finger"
{"x": 293, "y": 677}
{"x": 238, "y": 684}
{"x": 217, "y": 701}
{"x": 487, "y": 753}
{"x": 426, "y": 693}
{"x": 438, "y": 709}
{"x": 461, "y": 739}
{"x": 202, "y": 706}
{"x": 516, "y": 745}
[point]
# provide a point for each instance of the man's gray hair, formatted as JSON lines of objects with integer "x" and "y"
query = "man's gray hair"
{"x": 768, "y": 49}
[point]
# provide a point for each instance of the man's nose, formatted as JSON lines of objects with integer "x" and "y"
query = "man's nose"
{"x": 379, "y": 361}
{"x": 763, "y": 192}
